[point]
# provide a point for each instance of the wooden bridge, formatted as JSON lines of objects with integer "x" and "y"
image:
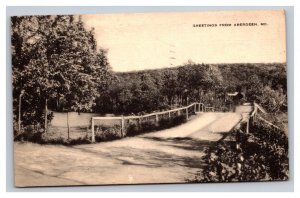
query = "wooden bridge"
{"x": 246, "y": 113}
{"x": 242, "y": 114}
{"x": 187, "y": 111}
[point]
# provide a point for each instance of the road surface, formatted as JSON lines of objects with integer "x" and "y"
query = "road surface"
{"x": 168, "y": 156}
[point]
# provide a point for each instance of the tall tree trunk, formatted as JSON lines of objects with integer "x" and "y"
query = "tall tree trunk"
{"x": 19, "y": 118}
{"x": 68, "y": 125}
{"x": 57, "y": 102}
{"x": 46, "y": 113}
{"x": 181, "y": 102}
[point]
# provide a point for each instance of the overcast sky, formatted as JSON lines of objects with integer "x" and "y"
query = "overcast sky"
{"x": 156, "y": 40}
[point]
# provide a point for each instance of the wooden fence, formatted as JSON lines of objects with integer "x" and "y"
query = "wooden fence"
{"x": 255, "y": 116}
{"x": 187, "y": 111}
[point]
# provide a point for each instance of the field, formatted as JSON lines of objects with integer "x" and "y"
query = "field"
{"x": 79, "y": 125}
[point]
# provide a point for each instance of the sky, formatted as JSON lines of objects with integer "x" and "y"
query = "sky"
{"x": 137, "y": 41}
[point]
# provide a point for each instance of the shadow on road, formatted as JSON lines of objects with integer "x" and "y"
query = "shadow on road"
{"x": 154, "y": 158}
{"x": 185, "y": 143}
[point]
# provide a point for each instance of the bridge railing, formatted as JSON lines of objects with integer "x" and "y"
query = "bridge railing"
{"x": 156, "y": 116}
{"x": 255, "y": 116}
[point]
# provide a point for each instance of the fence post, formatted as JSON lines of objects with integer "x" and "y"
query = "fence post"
{"x": 187, "y": 113}
{"x": 93, "y": 131}
{"x": 123, "y": 127}
{"x": 247, "y": 130}
{"x": 156, "y": 118}
{"x": 140, "y": 122}
{"x": 169, "y": 114}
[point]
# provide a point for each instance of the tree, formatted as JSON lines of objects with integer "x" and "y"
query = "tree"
{"x": 170, "y": 85}
{"x": 272, "y": 100}
{"x": 55, "y": 60}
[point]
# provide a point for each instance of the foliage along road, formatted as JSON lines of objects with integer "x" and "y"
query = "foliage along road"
{"x": 168, "y": 156}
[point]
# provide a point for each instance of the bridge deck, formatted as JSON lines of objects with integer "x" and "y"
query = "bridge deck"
{"x": 244, "y": 110}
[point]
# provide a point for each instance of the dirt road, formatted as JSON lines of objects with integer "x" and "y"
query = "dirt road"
{"x": 168, "y": 156}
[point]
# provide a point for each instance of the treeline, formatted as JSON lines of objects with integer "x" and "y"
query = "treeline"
{"x": 150, "y": 90}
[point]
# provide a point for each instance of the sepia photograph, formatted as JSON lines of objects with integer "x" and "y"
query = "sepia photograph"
{"x": 149, "y": 98}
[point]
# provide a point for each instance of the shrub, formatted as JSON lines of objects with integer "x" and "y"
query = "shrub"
{"x": 31, "y": 135}
{"x": 80, "y": 140}
{"x": 148, "y": 126}
{"x": 178, "y": 120}
{"x": 133, "y": 130}
{"x": 56, "y": 140}
{"x": 108, "y": 133}
{"x": 165, "y": 123}
{"x": 261, "y": 155}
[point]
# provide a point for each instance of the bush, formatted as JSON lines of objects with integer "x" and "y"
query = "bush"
{"x": 81, "y": 140}
{"x": 261, "y": 155}
{"x": 56, "y": 140}
{"x": 148, "y": 126}
{"x": 31, "y": 135}
{"x": 165, "y": 123}
{"x": 108, "y": 133}
{"x": 38, "y": 136}
{"x": 133, "y": 130}
{"x": 178, "y": 120}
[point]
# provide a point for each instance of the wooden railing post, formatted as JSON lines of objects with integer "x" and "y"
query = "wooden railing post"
{"x": 247, "y": 129}
{"x": 156, "y": 118}
{"x": 187, "y": 113}
{"x": 139, "y": 122}
{"x": 93, "y": 131}
{"x": 123, "y": 126}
